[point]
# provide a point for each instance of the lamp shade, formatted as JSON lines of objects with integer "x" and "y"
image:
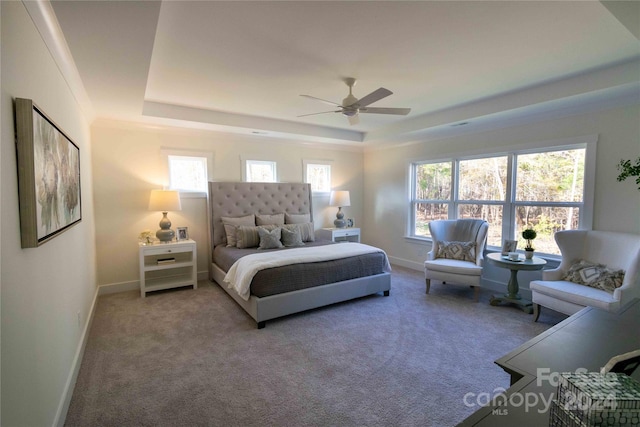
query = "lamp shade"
{"x": 339, "y": 198}
{"x": 164, "y": 201}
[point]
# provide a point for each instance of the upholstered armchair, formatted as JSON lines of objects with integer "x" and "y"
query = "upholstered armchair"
{"x": 558, "y": 289}
{"x": 457, "y": 253}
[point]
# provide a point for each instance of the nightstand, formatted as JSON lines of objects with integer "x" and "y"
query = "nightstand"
{"x": 167, "y": 265}
{"x": 339, "y": 234}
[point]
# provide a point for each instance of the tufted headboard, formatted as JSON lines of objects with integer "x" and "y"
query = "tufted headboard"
{"x": 232, "y": 199}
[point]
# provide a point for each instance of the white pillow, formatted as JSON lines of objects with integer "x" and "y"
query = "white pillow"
{"x": 231, "y": 224}
{"x": 275, "y": 219}
{"x": 296, "y": 218}
{"x": 306, "y": 231}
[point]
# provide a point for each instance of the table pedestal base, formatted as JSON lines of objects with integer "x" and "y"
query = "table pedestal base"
{"x": 524, "y": 304}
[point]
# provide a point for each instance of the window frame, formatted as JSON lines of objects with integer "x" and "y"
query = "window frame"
{"x": 305, "y": 167}
{"x": 510, "y": 204}
{"x": 247, "y": 162}
{"x": 207, "y": 158}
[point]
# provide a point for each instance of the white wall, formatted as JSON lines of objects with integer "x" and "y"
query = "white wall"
{"x": 127, "y": 165}
{"x": 616, "y": 204}
{"x": 43, "y": 288}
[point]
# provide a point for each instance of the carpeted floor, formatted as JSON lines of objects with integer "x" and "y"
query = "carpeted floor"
{"x": 186, "y": 357}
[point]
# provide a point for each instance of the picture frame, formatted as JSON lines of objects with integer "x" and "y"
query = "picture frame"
{"x": 509, "y": 246}
{"x": 182, "y": 233}
{"x": 48, "y": 163}
{"x": 350, "y": 222}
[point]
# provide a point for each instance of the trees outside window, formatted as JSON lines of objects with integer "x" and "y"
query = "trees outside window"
{"x": 260, "y": 171}
{"x": 544, "y": 190}
{"x": 188, "y": 171}
{"x": 318, "y": 174}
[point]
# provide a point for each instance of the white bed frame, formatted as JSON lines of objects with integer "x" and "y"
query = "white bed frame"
{"x": 229, "y": 199}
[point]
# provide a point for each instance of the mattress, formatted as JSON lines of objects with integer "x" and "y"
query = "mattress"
{"x": 277, "y": 280}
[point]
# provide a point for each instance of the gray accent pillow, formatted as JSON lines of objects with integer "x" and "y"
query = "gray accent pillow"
{"x": 291, "y": 238}
{"x": 248, "y": 237}
{"x": 275, "y": 219}
{"x": 231, "y": 225}
{"x": 297, "y": 218}
{"x": 270, "y": 239}
{"x": 595, "y": 275}
{"x": 306, "y": 231}
{"x": 463, "y": 251}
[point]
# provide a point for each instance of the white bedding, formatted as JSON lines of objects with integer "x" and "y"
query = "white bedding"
{"x": 243, "y": 270}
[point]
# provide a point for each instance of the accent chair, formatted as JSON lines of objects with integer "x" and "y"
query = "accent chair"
{"x": 457, "y": 253}
{"x": 587, "y": 274}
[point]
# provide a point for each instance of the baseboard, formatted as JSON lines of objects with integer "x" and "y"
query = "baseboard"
{"x": 114, "y": 288}
{"x": 63, "y": 407}
{"x": 486, "y": 284}
{"x": 419, "y": 266}
{"x": 134, "y": 285}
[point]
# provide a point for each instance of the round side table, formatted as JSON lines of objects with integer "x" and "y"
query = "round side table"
{"x": 512, "y": 296}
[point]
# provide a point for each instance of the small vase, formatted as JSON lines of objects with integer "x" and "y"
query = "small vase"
{"x": 528, "y": 254}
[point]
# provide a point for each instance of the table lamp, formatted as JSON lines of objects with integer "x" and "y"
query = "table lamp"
{"x": 165, "y": 201}
{"x": 339, "y": 199}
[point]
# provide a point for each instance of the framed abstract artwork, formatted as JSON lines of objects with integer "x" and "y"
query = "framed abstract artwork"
{"x": 48, "y": 176}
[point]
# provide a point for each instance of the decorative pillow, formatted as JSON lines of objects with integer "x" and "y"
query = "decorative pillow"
{"x": 297, "y": 218}
{"x": 270, "y": 239}
{"x": 595, "y": 275}
{"x": 291, "y": 238}
{"x": 306, "y": 231}
{"x": 248, "y": 237}
{"x": 275, "y": 219}
{"x": 463, "y": 251}
{"x": 232, "y": 223}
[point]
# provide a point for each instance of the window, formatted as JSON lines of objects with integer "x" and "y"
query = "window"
{"x": 260, "y": 171}
{"x": 548, "y": 189}
{"x": 189, "y": 171}
{"x": 318, "y": 174}
{"x": 549, "y": 194}
{"x": 432, "y": 194}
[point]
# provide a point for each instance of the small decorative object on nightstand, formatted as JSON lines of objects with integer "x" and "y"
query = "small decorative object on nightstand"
{"x": 339, "y": 234}
{"x": 165, "y": 201}
{"x": 167, "y": 265}
{"x": 340, "y": 199}
{"x": 182, "y": 233}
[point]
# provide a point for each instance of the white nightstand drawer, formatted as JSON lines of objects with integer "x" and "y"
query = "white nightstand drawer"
{"x": 339, "y": 234}
{"x": 166, "y": 250}
{"x": 344, "y": 233}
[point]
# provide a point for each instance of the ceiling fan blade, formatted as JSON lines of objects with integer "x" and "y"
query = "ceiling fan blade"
{"x": 322, "y": 100}
{"x": 398, "y": 111}
{"x": 374, "y": 96}
{"x": 354, "y": 120}
{"x": 322, "y": 112}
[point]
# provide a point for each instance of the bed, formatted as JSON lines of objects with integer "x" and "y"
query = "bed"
{"x": 286, "y": 289}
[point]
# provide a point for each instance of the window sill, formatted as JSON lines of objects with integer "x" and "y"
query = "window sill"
{"x": 192, "y": 194}
{"x": 419, "y": 240}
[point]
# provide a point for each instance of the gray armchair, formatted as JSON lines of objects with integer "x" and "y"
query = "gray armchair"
{"x": 459, "y": 264}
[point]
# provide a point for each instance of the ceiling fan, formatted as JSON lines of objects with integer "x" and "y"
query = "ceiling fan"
{"x": 351, "y": 106}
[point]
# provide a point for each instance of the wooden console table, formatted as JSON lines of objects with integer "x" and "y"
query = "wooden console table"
{"x": 586, "y": 340}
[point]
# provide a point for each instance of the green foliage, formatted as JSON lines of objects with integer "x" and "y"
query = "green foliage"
{"x": 627, "y": 170}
